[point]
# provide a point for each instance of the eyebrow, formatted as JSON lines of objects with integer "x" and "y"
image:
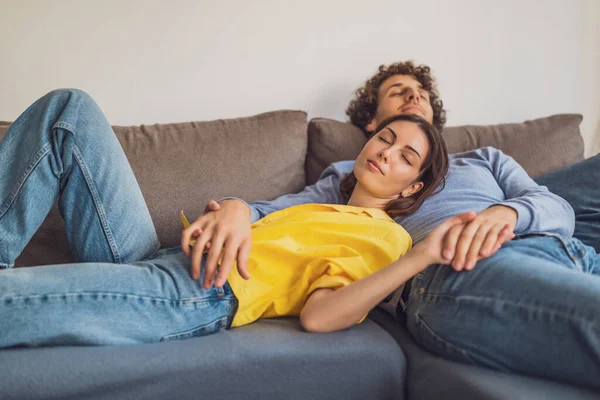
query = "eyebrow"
{"x": 407, "y": 146}
{"x": 400, "y": 84}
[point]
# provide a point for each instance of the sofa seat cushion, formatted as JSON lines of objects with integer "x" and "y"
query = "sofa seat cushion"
{"x": 431, "y": 377}
{"x": 270, "y": 359}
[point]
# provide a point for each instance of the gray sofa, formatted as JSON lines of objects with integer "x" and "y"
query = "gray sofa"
{"x": 181, "y": 166}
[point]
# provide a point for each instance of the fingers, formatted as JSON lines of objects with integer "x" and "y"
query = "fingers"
{"x": 454, "y": 227}
{"x": 491, "y": 240}
{"x": 186, "y": 236}
{"x": 212, "y": 261}
{"x": 242, "y": 258}
{"x": 506, "y": 235}
{"x": 197, "y": 251}
{"x": 212, "y": 206}
{"x": 475, "y": 247}
{"x": 450, "y": 241}
{"x": 463, "y": 244}
{"x": 227, "y": 261}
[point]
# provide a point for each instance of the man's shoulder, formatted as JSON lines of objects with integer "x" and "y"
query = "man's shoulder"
{"x": 486, "y": 152}
{"x": 338, "y": 169}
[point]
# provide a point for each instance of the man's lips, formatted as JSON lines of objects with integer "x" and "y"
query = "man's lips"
{"x": 414, "y": 109}
{"x": 375, "y": 166}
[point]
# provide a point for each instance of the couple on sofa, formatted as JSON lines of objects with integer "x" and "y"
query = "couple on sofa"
{"x": 495, "y": 277}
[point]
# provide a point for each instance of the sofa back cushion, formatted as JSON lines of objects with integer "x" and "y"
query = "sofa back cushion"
{"x": 181, "y": 166}
{"x": 540, "y": 146}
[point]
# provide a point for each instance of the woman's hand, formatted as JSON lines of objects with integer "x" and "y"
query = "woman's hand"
{"x": 467, "y": 243}
{"x": 223, "y": 227}
{"x": 431, "y": 248}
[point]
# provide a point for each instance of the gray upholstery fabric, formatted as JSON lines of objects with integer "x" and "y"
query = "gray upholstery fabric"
{"x": 431, "y": 377}
{"x": 540, "y": 146}
{"x": 181, "y": 166}
{"x": 271, "y": 359}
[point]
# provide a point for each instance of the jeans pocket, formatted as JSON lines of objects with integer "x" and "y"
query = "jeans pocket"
{"x": 433, "y": 341}
{"x": 202, "y": 330}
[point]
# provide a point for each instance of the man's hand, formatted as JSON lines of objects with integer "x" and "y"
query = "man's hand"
{"x": 223, "y": 227}
{"x": 467, "y": 243}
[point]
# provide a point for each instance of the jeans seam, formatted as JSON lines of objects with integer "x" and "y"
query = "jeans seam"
{"x": 13, "y": 195}
{"x": 98, "y": 205}
{"x": 438, "y": 338}
{"x": 128, "y": 296}
{"x": 527, "y": 307}
{"x": 574, "y": 255}
{"x": 221, "y": 321}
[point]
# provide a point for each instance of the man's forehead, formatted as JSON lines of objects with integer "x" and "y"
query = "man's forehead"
{"x": 401, "y": 80}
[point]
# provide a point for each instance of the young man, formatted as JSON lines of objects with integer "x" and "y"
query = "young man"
{"x": 529, "y": 307}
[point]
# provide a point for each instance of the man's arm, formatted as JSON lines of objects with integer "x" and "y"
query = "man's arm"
{"x": 226, "y": 226}
{"x": 539, "y": 210}
{"x": 527, "y": 208}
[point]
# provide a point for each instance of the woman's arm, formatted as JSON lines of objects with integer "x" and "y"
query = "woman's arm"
{"x": 328, "y": 310}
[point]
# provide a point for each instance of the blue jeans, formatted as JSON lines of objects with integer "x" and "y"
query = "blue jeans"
{"x": 122, "y": 290}
{"x": 532, "y": 308}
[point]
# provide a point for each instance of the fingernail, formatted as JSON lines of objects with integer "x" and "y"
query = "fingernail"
{"x": 447, "y": 254}
{"x": 458, "y": 266}
{"x": 469, "y": 265}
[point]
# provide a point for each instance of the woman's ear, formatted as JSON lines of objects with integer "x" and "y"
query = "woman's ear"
{"x": 412, "y": 189}
{"x": 371, "y": 126}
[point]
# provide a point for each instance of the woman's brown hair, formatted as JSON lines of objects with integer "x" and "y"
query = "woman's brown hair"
{"x": 433, "y": 170}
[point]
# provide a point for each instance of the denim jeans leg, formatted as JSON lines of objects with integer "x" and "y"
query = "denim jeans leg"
{"x": 531, "y": 308}
{"x": 110, "y": 304}
{"x": 62, "y": 146}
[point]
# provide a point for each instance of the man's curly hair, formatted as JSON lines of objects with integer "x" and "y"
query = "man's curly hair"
{"x": 362, "y": 108}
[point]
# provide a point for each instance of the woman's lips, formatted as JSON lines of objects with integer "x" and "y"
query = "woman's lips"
{"x": 374, "y": 166}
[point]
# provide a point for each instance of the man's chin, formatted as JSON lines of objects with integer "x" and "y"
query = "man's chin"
{"x": 412, "y": 112}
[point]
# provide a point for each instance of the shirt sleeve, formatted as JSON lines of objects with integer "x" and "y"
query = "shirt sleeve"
{"x": 332, "y": 282}
{"x": 539, "y": 210}
{"x": 325, "y": 191}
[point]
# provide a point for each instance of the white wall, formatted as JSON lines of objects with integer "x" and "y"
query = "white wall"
{"x": 148, "y": 61}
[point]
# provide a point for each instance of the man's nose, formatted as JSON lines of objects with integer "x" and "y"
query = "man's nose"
{"x": 414, "y": 96}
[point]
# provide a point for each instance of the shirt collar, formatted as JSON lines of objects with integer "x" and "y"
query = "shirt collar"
{"x": 372, "y": 212}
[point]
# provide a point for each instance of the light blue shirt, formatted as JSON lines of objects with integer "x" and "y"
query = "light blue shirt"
{"x": 477, "y": 179}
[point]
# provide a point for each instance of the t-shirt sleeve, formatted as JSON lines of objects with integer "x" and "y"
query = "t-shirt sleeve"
{"x": 334, "y": 282}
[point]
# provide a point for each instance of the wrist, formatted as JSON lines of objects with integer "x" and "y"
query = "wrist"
{"x": 506, "y": 214}
{"x": 421, "y": 257}
{"x": 238, "y": 204}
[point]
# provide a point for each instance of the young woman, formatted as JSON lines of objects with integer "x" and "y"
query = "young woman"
{"x": 329, "y": 264}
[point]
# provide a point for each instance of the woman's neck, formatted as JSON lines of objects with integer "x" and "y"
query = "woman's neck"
{"x": 362, "y": 198}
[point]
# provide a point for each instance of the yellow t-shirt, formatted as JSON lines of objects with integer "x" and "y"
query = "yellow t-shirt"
{"x": 307, "y": 247}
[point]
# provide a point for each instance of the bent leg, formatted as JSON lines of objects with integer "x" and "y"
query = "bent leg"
{"x": 63, "y": 146}
{"x": 529, "y": 309}
{"x": 109, "y": 304}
